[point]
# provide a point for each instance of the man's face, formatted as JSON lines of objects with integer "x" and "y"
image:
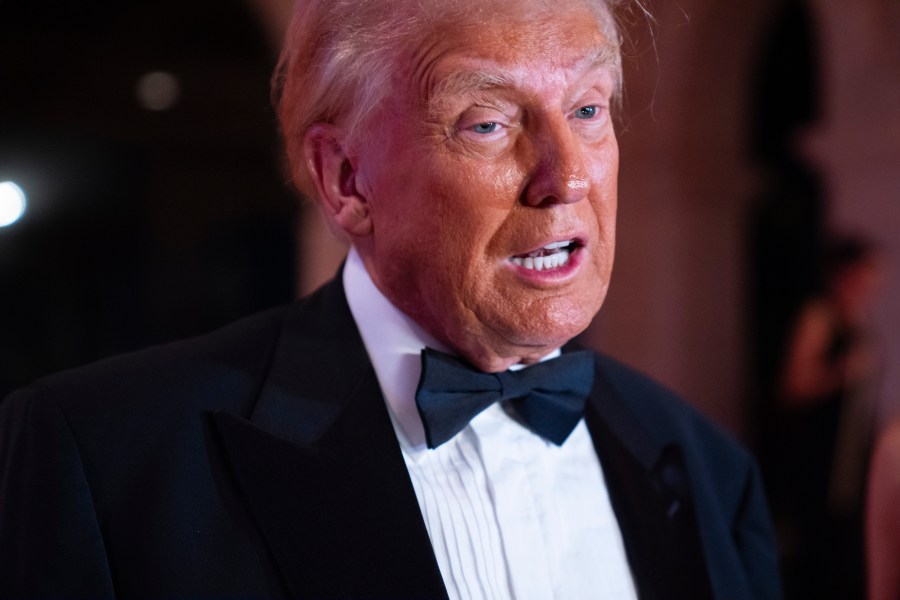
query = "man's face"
{"x": 491, "y": 181}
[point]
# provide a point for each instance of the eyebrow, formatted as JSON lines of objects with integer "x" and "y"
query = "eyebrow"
{"x": 475, "y": 81}
{"x": 465, "y": 82}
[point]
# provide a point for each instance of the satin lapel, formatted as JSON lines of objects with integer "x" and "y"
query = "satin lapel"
{"x": 317, "y": 476}
{"x": 650, "y": 493}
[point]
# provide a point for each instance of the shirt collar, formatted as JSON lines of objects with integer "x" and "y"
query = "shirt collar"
{"x": 394, "y": 343}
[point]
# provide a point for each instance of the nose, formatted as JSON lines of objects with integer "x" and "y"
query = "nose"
{"x": 560, "y": 174}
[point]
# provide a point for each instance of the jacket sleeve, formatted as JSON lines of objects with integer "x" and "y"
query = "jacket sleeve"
{"x": 50, "y": 540}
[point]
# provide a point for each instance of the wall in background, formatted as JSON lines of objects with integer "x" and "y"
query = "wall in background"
{"x": 679, "y": 307}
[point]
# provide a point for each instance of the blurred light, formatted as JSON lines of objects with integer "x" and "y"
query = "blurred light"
{"x": 157, "y": 91}
{"x": 12, "y": 203}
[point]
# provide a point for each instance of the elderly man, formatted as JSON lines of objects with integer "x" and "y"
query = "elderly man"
{"x": 417, "y": 428}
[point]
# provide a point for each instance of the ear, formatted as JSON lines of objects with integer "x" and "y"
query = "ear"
{"x": 334, "y": 177}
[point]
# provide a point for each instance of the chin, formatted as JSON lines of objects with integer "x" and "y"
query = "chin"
{"x": 540, "y": 342}
{"x": 537, "y": 337}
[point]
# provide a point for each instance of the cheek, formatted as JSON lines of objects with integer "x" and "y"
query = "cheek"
{"x": 604, "y": 166}
{"x": 468, "y": 208}
{"x": 603, "y": 252}
{"x": 604, "y": 196}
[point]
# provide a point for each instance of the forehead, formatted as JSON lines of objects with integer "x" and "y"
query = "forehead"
{"x": 500, "y": 49}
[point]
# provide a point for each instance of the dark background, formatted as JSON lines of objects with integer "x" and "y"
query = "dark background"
{"x": 143, "y": 226}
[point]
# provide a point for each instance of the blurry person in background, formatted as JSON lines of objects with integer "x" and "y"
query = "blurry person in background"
{"x": 883, "y": 517}
{"x": 421, "y": 426}
{"x": 826, "y": 419}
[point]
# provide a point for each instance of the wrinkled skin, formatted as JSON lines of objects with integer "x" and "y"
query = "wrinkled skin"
{"x": 465, "y": 171}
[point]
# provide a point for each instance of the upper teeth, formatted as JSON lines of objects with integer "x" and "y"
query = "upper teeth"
{"x": 540, "y": 259}
{"x": 555, "y": 245}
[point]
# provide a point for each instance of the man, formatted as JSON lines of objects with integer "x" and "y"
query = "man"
{"x": 467, "y": 152}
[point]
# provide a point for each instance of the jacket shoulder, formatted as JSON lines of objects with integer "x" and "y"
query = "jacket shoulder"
{"x": 227, "y": 358}
{"x": 665, "y": 414}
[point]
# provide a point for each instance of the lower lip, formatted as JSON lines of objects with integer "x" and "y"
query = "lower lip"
{"x": 550, "y": 276}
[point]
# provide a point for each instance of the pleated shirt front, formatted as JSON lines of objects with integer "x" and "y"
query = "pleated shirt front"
{"x": 509, "y": 514}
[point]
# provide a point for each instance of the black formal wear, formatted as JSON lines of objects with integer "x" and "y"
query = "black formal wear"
{"x": 260, "y": 461}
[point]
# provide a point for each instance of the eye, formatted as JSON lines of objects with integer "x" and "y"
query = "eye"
{"x": 586, "y": 112}
{"x": 487, "y": 127}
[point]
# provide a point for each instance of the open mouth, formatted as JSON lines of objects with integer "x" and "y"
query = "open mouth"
{"x": 551, "y": 256}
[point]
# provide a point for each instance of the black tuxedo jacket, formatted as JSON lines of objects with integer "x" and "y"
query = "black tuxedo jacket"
{"x": 260, "y": 461}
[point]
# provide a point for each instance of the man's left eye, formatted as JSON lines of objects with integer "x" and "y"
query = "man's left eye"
{"x": 586, "y": 112}
{"x": 487, "y": 127}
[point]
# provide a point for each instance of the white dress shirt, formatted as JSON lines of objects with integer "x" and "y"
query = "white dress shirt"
{"x": 509, "y": 514}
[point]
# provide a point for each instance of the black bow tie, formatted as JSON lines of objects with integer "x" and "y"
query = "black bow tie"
{"x": 548, "y": 396}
